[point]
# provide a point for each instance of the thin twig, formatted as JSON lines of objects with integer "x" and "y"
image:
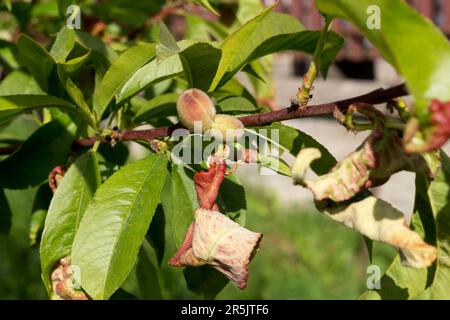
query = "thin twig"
{"x": 256, "y": 120}
{"x": 303, "y": 94}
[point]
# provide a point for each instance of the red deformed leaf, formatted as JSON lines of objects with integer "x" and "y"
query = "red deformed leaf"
{"x": 440, "y": 121}
{"x": 207, "y": 183}
{"x": 55, "y": 177}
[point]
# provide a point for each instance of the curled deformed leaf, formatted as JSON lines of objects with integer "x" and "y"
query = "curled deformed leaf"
{"x": 55, "y": 177}
{"x": 380, "y": 156}
{"x": 345, "y": 179}
{"x": 207, "y": 184}
{"x": 380, "y": 221}
{"x": 216, "y": 240}
{"x": 418, "y": 139}
{"x": 65, "y": 282}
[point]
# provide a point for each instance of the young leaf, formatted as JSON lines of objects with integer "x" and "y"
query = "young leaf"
{"x": 5, "y": 214}
{"x": 207, "y": 5}
{"x": 231, "y": 199}
{"x": 120, "y": 71}
{"x": 102, "y": 53}
{"x": 46, "y": 148}
{"x": 265, "y": 34}
{"x": 150, "y": 74}
{"x": 39, "y": 212}
{"x": 64, "y": 43}
{"x": 184, "y": 202}
{"x": 36, "y": 59}
{"x": 19, "y": 83}
{"x": 167, "y": 46}
{"x": 76, "y": 94}
{"x": 115, "y": 223}
{"x": 294, "y": 140}
{"x": 66, "y": 210}
{"x": 161, "y": 106}
{"x": 426, "y": 71}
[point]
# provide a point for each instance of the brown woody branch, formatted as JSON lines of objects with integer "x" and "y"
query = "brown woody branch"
{"x": 261, "y": 119}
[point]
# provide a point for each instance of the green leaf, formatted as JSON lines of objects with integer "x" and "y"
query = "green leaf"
{"x": 115, "y": 223}
{"x": 207, "y": 5}
{"x": 432, "y": 221}
{"x": 46, "y": 148}
{"x": 120, "y": 71}
{"x": 183, "y": 203}
{"x": 66, "y": 209}
{"x": 439, "y": 202}
{"x": 249, "y": 9}
{"x": 117, "y": 155}
{"x": 39, "y": 212}
{"x": 156, "y": 233}
{"x": 148, "y": 75}
{"x": 77, "y": 95}
{"x": 19, "y": 82}
{"x": 101, "y": 50}
{"x": 236, "y": 105}
{"x": 11, "y": 106}
{"x": 265, "y": 34}
{"x": 233, "y": 88}
{"x": 294, "y": 140}
{"x": 5, "y": 214}
{"x": 409, "y": 41}
{"x": 161, "y": 106}
{"x": 167, "y": 46}
{"x": 8, "y": 55}
{"x": 36, "y": 59}
{"x": 200, "y": 62}
{"x": 198, "y": 28}
{"x": 143, "y": 281}
{"x": 155, "y": 71}
{"x": 73, "y": 65}
{"x": 231, "y": 199}
{"x": 64, "y": 43}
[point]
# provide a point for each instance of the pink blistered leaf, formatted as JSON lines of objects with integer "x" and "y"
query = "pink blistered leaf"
{"x": 207, "y": 183}
{"x": 216, "y": 240}
{"x": 440, "y": 122}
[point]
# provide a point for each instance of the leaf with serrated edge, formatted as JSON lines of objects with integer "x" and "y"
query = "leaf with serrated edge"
{"x": 115, "y": 223}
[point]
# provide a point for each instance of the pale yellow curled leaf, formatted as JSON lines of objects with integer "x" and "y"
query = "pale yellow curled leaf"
{"x": 345, "y": 180}
{"x": 372, "y": 164}
{"x": 303, "y": 162}
{"x": 380, "y": 221}
{"x": 225, "y": 244}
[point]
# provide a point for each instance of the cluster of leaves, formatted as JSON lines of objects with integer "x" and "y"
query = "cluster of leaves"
{"x": 110, "y": 212}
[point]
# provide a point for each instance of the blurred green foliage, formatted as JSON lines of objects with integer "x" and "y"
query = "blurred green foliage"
{"x": 304, "y": 255}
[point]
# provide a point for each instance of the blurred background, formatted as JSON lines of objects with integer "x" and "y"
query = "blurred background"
{"x": 305, "y": 255}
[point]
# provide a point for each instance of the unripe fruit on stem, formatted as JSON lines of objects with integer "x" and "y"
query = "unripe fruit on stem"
{"x": 195, "y": 106}
{"x": 226, "y": 128}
